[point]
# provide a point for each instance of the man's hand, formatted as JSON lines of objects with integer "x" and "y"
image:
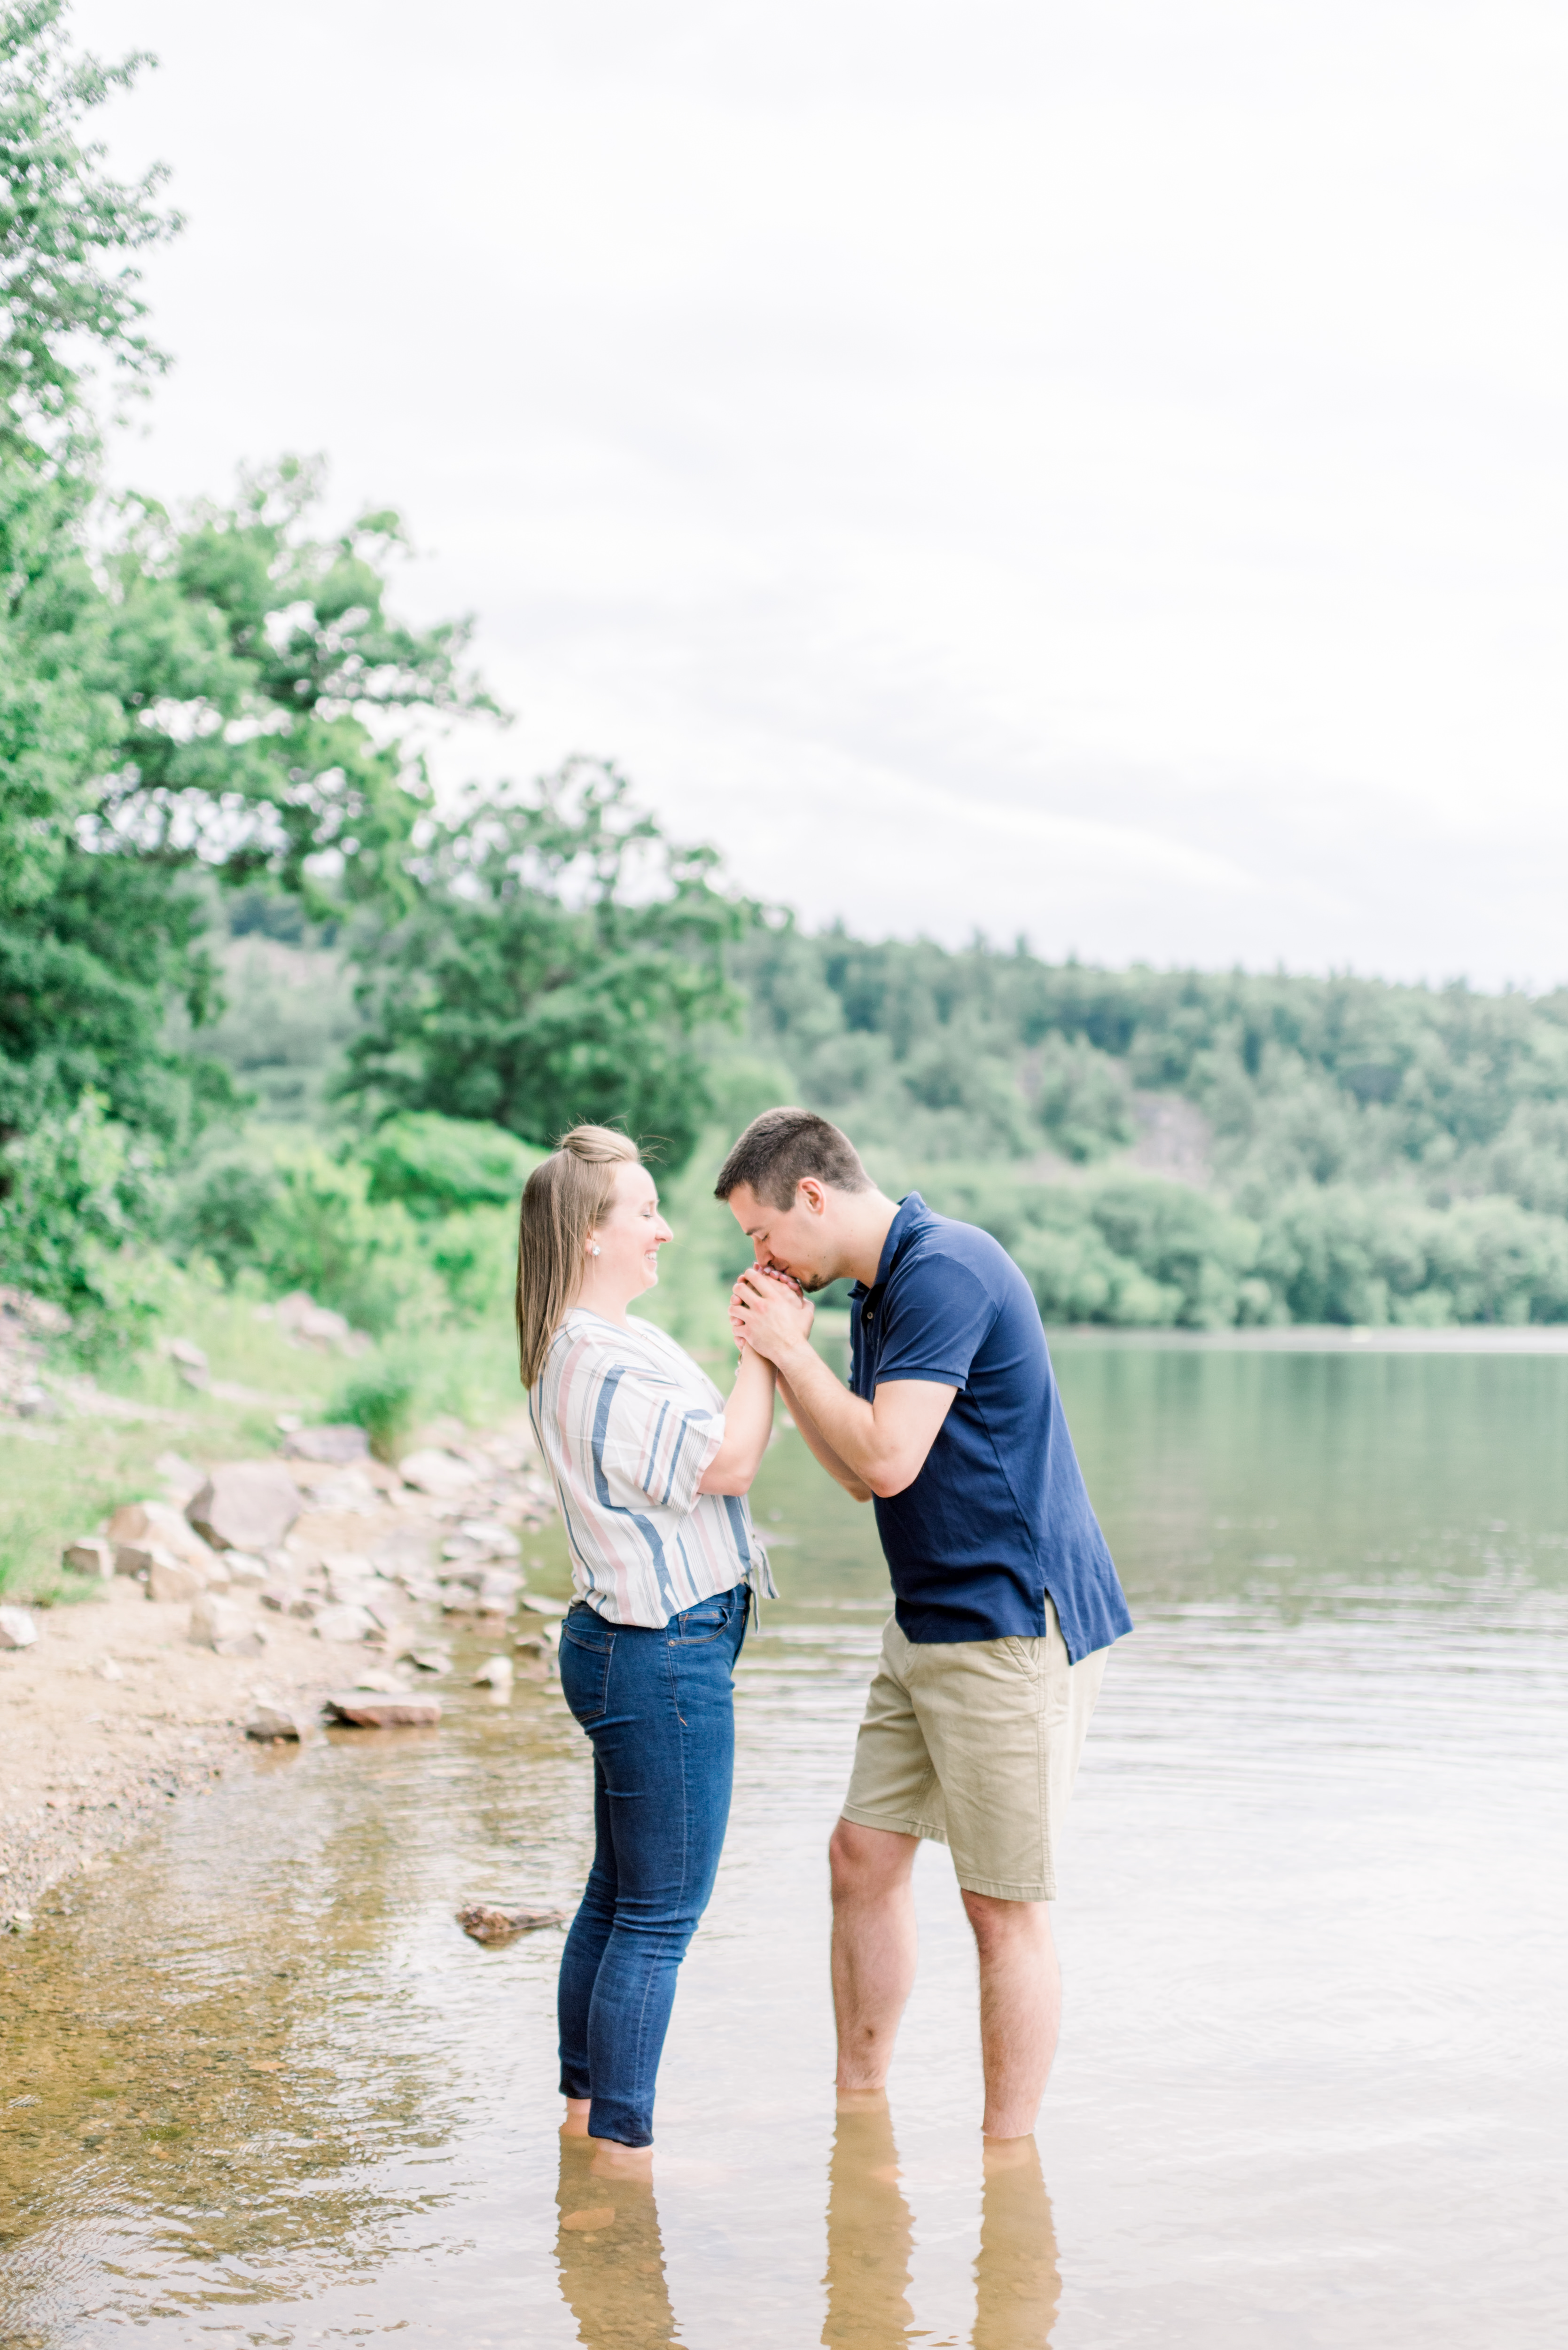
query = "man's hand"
{"x": 770, "y": 1313}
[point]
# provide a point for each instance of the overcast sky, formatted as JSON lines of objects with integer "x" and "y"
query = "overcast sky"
{"x": 1094, "y": 471}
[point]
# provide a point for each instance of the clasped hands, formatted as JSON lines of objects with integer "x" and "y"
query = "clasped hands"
{"x": 769, "y": 1311}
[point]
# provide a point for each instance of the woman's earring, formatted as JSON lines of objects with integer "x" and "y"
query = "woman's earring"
{"x": 593, "y": 1248}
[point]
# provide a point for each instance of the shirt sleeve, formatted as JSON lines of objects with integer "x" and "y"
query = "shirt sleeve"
{"x": 934, "y": 1322}
{"x": 650, "y": 1443}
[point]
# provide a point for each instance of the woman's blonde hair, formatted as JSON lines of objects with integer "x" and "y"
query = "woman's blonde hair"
{"x": 563, "y": 1199}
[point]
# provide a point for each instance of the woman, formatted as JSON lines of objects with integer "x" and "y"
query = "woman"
{"x": 650, "y": 1465}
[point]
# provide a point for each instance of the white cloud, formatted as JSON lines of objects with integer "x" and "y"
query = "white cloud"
{"x": 1090, "y": 471}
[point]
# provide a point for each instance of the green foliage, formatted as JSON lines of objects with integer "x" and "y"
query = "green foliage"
{"x": 75, "y": 1195}
{"x": 557, "y": 965}
{"x": 64, "y": 226}
{"x": 437, "y": 1166}
{"x": 381, "y": 1399}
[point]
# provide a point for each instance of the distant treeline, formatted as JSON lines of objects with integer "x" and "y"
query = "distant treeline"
{"x": 1348, "y": 1150}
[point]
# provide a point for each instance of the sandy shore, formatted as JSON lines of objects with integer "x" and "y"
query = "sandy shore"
{"x": 113, "y": 1712}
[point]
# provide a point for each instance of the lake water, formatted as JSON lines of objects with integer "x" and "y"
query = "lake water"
{"x": 258, "y": 2089}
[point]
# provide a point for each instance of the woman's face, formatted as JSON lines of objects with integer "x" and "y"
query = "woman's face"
{"x": 630, "y": 1235}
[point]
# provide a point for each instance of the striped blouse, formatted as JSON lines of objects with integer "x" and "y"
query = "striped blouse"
{"x": 628, "y": 1424}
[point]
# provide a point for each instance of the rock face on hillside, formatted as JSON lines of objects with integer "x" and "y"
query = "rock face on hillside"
{"x": 246, "y": 1506}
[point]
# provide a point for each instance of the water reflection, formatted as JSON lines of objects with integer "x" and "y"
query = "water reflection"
{"x": 258, "y": 2091}
{"x": 610, "y": 2255}
{"x": 870, "y": 2234}
{"x": 1017, "y": 2281}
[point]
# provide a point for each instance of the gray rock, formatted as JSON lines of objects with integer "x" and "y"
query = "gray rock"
{"x": 107, "y": 1671}
{"x": 271, "y": 1719}
{"x": 374, "y": 1678}
{"x": 439, "y": 1474}
{"x": 531, "y": 1604}
{"x": 171, "y": 1581}
{"x": 337, "y": 1441}
{"x": 225, "y": 1625}
{"x": 345, "y": 1623}
{"x": 370, "y": 1710}
{"x": 431, "y": 1660}
{"x": 89, "y": 1555}
{"x": 246, "y": 1506}
{"x": 533, "y": 1660}
{"x": 495, "y": 1672}
{"x": 17, "y": 1629}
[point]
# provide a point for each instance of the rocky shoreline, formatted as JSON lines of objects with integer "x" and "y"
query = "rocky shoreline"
{"x": 211, "y": 1623}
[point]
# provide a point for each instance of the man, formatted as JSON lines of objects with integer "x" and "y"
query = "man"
{"x": 1006, "y": 1597}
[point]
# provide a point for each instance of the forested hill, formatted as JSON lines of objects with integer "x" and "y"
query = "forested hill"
{"x": 1191, "y": 1147}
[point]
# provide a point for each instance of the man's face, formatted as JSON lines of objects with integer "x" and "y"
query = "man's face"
{"x": 802, "y": 1238}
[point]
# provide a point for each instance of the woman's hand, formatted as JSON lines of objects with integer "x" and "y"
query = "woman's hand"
{"x": 770, "y": 1311}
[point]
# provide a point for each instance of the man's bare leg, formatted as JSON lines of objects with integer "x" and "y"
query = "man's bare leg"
{"x": 576, "y": 2122}
{"x": 1019, "y": 2008}
{"x": 874, "y": 1946}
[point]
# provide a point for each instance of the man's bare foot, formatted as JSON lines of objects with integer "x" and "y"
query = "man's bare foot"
{"x": 613, "y": 2160}
{"x": 576, "y": 2122}
{"x": 999, "y": 2154}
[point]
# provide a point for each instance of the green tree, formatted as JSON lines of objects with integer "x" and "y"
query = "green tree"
{"x": 559, "y": 963}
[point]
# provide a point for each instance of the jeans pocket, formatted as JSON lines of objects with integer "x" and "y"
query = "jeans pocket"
{"x": 709, "y": 1620}
{"x": 584, "y": 1667}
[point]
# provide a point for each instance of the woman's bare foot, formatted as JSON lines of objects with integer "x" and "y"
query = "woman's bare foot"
{"x": 613, "y": 2160}
{"x": 576, "y": 2122}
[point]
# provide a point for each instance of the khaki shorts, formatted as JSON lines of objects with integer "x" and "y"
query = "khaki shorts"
{"x": 975, "y": 1743}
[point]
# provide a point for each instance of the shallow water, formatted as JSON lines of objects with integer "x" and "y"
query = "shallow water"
{"x": 259, "y": 2089}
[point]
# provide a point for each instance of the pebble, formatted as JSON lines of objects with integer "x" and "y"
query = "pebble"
{"x": 431, "y": 1660}
{"x": 495, "y": 1673}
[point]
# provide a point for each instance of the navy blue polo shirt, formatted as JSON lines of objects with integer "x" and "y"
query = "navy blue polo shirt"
{"x": 999, "y": 1515}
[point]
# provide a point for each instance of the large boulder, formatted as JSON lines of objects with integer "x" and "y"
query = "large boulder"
{"x": 246, "y": 1506}
{"x": 136, "y": 1526}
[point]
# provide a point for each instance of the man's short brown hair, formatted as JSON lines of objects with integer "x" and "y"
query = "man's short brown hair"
{"x": 780, "y": 1148}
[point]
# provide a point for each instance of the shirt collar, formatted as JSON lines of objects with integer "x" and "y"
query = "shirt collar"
{"x": 912, "y": 1211}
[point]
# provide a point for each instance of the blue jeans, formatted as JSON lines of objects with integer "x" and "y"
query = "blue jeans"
{"x": 660, "y": 1707}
